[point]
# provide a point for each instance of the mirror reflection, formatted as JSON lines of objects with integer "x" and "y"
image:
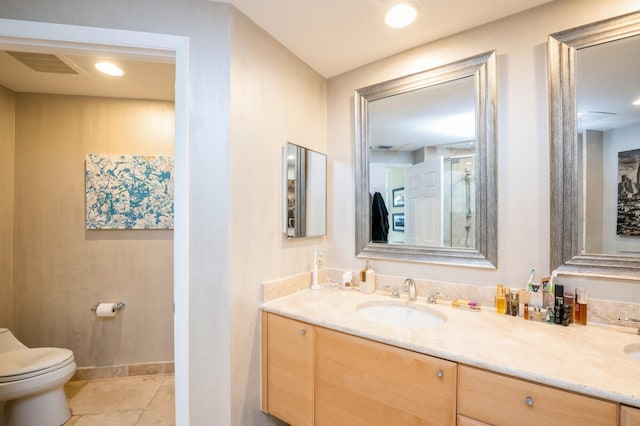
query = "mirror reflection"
{"x": 608, "y": 113}
{"x": 422, "y": 165}
{"x": 305, "y": 190}
{"x": 595, "y": 149}
{"x": 425, "y": 166}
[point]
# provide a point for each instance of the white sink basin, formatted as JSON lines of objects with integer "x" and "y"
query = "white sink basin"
{"x": 633, "y": 351}
{"x": 401, "y": 314}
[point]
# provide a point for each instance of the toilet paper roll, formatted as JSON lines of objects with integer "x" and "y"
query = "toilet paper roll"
{"x": 106, "y": 310}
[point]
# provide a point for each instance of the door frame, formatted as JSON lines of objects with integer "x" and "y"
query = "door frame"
{"x": 163, "y": 47}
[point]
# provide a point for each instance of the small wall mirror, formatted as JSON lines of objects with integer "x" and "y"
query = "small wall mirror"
{"x": 595, "y": 149}
{"x": 305, "y": 192}
{"x": 425, "y": 166}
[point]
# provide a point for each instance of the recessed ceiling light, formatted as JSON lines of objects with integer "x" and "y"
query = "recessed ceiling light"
{"x": 636, "y": 102}
{"x": 401, "y": 15}
{"x": 109, "y": 68}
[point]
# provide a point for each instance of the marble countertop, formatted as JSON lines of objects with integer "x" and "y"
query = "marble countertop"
{"x": 586, "y": 359}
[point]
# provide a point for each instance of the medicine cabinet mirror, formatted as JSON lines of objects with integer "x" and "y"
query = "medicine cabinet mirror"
{"x": 305, "y": 192}
{"x": 595, "y": 149}
{"x": 425, "y": 154}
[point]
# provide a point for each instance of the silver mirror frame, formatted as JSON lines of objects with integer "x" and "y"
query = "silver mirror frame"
{"x": 562, "y": 48}
{"x": 483, "y": 69}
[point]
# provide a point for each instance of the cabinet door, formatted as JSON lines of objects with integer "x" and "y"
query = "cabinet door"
{"x": 360, "y": 382}
{"x": 289, "y": 362}
{"x": 501, "y": 400}
{"x": 629, "y": 416}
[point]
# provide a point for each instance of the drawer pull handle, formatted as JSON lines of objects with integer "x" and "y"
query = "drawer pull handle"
{"x": 303, "y": 332}
{"x": 440, "y": 373}
{"x": 529, "y": 401}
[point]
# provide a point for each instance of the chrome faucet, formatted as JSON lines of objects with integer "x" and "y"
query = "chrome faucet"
{"x": 631, "y": 320}
{"x": 409, "y": 286}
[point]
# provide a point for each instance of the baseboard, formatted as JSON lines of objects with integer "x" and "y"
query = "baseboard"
{"x": 123, "y": 370}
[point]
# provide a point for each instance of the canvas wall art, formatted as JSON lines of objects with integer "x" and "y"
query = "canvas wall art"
{"x": 629, "y": 193}
{"x": 129, "y": 192}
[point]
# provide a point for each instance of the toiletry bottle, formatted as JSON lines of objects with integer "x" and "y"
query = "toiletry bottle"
{"x": 515, "y": 303}
{"x": 363, "y": 273}
{"x": 526, "y": 311}
{"x": 501, "y": 302}
{"x": 569, "y": 299}
{"x": 580, "y": 310}
{"x": 567, "y": 312}
{"x": 507, "y": 300}
{"x": 371, "y": 280}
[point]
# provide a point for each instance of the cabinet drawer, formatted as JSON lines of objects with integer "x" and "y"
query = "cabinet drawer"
{"x": 629, "y": 416}
{"x": 364, "y": 383}
{"x": 501, "y": 400}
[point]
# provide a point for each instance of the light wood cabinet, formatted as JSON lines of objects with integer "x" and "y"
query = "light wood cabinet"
{"x": 361, "y": 382}
{"x": 629, "y": 416}
{"x": 316, "y": 376}
{"x": 287, "y": 356}
{"x": 500, "y": 400}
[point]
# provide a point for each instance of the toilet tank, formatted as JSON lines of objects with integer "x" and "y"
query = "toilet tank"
{"x": 8, "y": 341}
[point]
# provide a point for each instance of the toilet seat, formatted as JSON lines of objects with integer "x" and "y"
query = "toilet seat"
{"x": 25, "y": 363}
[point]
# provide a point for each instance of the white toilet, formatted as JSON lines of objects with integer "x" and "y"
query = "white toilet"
{"x": 32, "y": 383}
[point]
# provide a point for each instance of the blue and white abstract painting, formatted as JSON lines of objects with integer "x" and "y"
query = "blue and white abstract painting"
{"x": 129, "y": 192}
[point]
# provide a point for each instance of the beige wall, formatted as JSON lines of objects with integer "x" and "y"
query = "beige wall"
{"x": 61, "y": 269}
{"x": 275, "y": 98}
{"x": 523, "y": 143}
{"x": 7, "y": 148}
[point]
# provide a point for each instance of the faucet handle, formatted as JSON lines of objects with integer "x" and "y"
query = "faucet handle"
{"x": 432, "y": 296}
{"x": 632, "y": 321}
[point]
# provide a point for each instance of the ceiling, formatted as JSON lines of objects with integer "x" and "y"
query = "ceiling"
{"x": 331, "y": 36}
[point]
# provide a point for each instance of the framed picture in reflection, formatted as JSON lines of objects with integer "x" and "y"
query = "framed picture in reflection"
{"x": 398, "y": 197}
{"x": 398, "y": 222}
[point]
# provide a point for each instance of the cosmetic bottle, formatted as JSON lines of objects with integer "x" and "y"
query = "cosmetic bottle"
{"x": 501, "y": 302}
{"x": 567, "y": 312}
{"x": 515, "y": 305}
{"x": 550, "y": 316}
{"x": 580, "y": 307}
{"x": 569, "y": 299}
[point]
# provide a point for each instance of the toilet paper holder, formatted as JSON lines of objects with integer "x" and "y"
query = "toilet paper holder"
{"x": 119, "y": 306}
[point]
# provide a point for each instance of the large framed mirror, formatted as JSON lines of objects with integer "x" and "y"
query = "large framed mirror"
{"x": 595, "y": 149}
{"x": 426, "y": 172}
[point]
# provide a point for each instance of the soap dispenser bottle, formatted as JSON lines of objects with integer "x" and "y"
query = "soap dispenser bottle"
{"x": 367, "y": 279}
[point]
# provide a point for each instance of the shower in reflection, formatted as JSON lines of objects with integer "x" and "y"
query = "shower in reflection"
{"x": 458, "y": 218}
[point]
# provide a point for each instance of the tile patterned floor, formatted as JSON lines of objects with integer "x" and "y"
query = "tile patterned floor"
{"x": 123, "y": 401}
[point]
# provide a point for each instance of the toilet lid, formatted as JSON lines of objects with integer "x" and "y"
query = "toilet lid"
{"x": 24, "y": 363}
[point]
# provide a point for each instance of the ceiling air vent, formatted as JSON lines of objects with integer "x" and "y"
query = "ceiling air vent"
{"x": 384, "y": 147}
{"x": 43, "y": 62}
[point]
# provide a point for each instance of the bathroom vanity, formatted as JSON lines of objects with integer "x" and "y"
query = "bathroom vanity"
{"x": 323, "y": 363}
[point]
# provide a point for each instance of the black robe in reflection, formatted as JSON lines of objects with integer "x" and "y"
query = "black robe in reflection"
{"x": 379, "y": 219}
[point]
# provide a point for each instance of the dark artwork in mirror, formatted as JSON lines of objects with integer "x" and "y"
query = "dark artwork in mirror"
{"x": 629, "y": 193}
{"x": 592, "y": 72}
{"x": 426, "y": 143}
{"x": 305, "y": 192}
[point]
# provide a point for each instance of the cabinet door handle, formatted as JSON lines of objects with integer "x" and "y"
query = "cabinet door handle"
{"x": 303, "y": 332}
{"x": 529, "y": 401}
{"x": 440, "y": 373}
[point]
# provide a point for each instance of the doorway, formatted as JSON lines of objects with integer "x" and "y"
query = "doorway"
{"x": 37, "y": 35}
